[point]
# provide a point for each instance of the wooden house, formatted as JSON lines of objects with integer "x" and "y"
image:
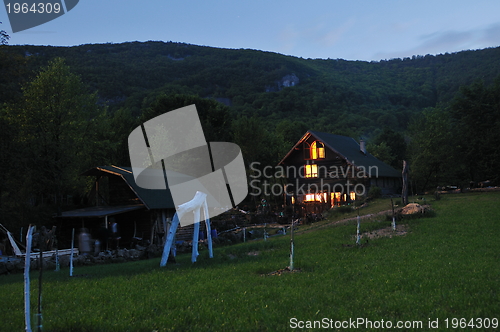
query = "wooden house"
{"x": 324, "y": 170}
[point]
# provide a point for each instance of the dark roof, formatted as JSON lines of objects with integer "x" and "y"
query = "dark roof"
{"x": 348, "y": 148}
{"x": 100, "y": 211}
{"x": 151, "y": 198}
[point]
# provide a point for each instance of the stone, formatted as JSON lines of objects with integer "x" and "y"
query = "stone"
{"x": 412, "y": 208}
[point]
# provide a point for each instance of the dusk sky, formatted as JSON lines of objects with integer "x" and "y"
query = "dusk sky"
{"x": 352, "y": 30}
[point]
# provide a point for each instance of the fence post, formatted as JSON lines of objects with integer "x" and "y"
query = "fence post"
{"x": 71, "y": 256}
{"x": 292, "y": 253}
{"x": 27, "y": 262}
{"x": 393, "y": 217}
{"x": 358, "y": 237}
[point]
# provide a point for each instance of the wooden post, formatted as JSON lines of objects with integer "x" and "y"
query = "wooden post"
{"x": 42, "y": 240}
{"x": 164, "y": 225}
{"x": 58, "y": 266}
{"x": 27, "y": 262}
{"x": 71, "y": 257}
{"x": 393, "y": 217}
{"x": 97, "y": 191}
{"x": 404, "y": 193}
{"x": 45, "y": 242}
{"x": 107, "y": 232}
{"x": 358, "y": 237}
{"x": 292, "y": 252}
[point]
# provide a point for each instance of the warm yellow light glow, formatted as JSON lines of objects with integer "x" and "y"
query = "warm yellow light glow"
{"x": 309, "y": 198}
{"x": 335, "y": 198}
{"x": 311, "y": 171}
{"x": 315, "y": 197}
{"x": 352, "y": 195}
{"x": 317, "y": 150}
{"x": 293, "y": 200}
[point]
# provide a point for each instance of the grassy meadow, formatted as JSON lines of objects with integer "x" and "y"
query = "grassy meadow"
{"x": 445, "y": 268}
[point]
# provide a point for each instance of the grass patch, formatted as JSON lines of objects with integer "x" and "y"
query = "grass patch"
{"x": 446, "y": 267}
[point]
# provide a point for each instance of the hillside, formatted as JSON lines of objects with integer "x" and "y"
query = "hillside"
{"x": 356, "y": 97}
{"x": 444, "y": 271}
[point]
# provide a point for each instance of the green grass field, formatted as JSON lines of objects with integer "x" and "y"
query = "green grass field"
{"x": 446, "y": 268}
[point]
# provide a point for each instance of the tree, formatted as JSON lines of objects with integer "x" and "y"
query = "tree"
{"x": 395, "y": 145}
{"x": 256, "y": 142}
{"x": 113, "y": 133}
{"x": 55, "y": 130}
{"x": 13, "y": 71}
{"x": 431, "y": 149}
{"x": 215, "y": 117}
{"x": 290, "y": 131}
{"x": 4, "y": 37}
{"x": 382, "y": 152}
{"x": 476, "y": 115}
{"x": 260, "y": 150}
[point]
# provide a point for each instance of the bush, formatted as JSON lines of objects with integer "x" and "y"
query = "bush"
{"x": 374, "y": 192}
{"x": 343, "y": 209}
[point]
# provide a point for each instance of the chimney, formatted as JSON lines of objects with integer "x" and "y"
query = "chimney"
{"x": 362, "y": 146}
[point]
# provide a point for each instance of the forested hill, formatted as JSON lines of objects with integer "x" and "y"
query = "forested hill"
{"x": 353, "y": 97}
{"x": 441, "y": 113}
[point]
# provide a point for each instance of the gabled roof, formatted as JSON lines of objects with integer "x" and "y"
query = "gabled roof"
{"x": 349, "y": 149}
{"x": 151, "y": 198}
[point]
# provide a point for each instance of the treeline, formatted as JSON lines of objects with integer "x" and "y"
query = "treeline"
{"x": 56, "y": 129}
{"x": 458, "y": 144}
{"x": 60, "y": 117}
{"x": 355, "y": 97}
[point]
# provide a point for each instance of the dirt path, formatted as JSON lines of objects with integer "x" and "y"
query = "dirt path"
{"x": 346, "y": 220}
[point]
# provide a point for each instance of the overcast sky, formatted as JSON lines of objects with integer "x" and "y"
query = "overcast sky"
{"x": 352, "y": 30}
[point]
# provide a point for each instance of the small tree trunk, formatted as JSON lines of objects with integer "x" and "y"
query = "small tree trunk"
{"x": 404, "y": 194}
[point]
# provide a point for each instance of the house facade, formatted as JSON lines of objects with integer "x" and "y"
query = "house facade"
{"x": 324, "y": 170}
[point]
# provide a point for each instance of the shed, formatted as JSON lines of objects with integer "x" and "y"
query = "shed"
{"x": 141, "y": 214}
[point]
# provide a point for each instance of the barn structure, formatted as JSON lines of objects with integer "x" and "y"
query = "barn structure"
{"x": 141, "y": 214}
{"x": 324, "y": 170}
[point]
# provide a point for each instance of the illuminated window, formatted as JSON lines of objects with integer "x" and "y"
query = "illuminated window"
{"x": 317, "y": 150}
{"x": 315, "y": 198}
{"x": 335, "y": 198}
{"x": 352, "y": 196}
{"x": 311, "y": 171}
{"x": 309, "y": 198}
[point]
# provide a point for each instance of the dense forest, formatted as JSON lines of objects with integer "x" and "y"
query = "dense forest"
{"x": 66, "y": 109}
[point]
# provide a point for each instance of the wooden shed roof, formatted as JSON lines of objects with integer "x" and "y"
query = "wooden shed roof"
{"x": 151, "y": 198}
{"x": 100, "y": 211}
